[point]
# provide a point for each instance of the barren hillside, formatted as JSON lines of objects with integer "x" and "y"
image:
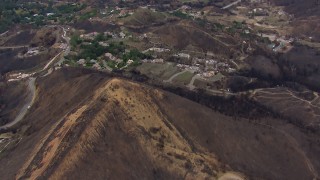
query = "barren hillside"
{"x": 125, "y": 130}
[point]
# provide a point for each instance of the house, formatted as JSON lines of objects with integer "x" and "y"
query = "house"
{"x": 260, "y": 12}
{"x": 185, "y": 8}
{"x": 50, "y": 14}
{"x": 123, "y": 13}
{"x": 208, "y": 74}
{"x": 96, "y": 66}
{"x": 63, "y": 46}
{"x": 104, "y": 44}
{"x": 110, "y": 56}
{"x": 103, "y": 12}
{"x": 211, "y": 62}
{"x": 159, "y": 50}
{"x": 81, "y": 62}
{"x": 122, "y": 35}
{"x": 89, "y": 36}
{"x": 130, "y": 61}
{"x": 183, "y": 55}
{"x": 33, "y": 51}
{"x": 160, "y": 60}
{"x": 93, "y": 61}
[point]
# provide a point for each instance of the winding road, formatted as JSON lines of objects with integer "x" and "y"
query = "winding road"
{"x": 31, "y": 83}
{"x": 26, "y": 107}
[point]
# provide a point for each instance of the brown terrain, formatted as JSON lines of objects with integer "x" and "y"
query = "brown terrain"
{"x": 306, "y": 13}
{"x": 94, "y": 26}
{"x": 14, "y": 47}
{"x": 193, "y": 39}
{"x": 85, "y": 124}
{"x": 302, "y": 107}
{"x": 12, "y": 97}
{"x": 260, "y": 121}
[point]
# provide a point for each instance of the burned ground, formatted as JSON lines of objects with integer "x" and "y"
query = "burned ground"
{"x": 12, "y": 97}
{"x": 183, "y": 35}
{"x": 45, "y": 37}
{"x": 94, "y": 26}
{"x": 23, "y": 38}
{"x": 10, "y": 60}
{"x": 300, "y": 65}
{"x": 135, "y": 131}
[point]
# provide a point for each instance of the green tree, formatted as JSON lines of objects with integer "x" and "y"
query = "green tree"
{"x": 75, "y": 40}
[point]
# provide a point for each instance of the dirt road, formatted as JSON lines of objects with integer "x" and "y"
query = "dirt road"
{"x": 26, "y": 107}
{"x": 13, "y": 47}
{"x": 174, "y": 76}
{"x": 31, "y": 84}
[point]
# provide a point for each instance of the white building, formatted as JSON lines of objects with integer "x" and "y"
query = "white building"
{"x": 130, "y": 61}
{"x": 81, "y": 61}
{"x": 183, "y": 55}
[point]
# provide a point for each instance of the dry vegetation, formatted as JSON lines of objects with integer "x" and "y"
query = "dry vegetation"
{"x": 127, "y": 130}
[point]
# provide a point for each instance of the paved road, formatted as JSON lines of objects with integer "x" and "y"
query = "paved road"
{"x": 32, "y": 87}
{"x": 67, "y": 50}
{"x": 25, "y": 108}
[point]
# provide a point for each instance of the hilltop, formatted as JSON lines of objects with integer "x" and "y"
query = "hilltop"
{"x": 134, "y": 131}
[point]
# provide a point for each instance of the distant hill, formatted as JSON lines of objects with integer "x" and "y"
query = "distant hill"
{"x": 300, "y": 8}
{"x": 144, "y": 17}
{"x": 307, "y": 16}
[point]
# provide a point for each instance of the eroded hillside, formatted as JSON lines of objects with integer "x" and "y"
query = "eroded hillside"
{"x": 125, "y": 130}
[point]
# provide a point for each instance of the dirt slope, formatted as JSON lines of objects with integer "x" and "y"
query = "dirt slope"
{"x": 103, "y": 128}
{"x": 124, "y": 128}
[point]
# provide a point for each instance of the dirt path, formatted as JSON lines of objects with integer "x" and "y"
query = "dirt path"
{"x": 174, "y": 76}
{"x": 232, "y": 4}
{"x": 4, "y": 33}
{"x": 26, "y": 107}
{"x": 31, "y": 84}
{"x": 50, "y": 62}
{"x": 290, "y": 138}
{"x": 13, "y": 47}
{"x": 290, "y": 94}
{"x": 216, "y": 39}
{"x": 64, "y": 52}
{"x": 190, "y": 85}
